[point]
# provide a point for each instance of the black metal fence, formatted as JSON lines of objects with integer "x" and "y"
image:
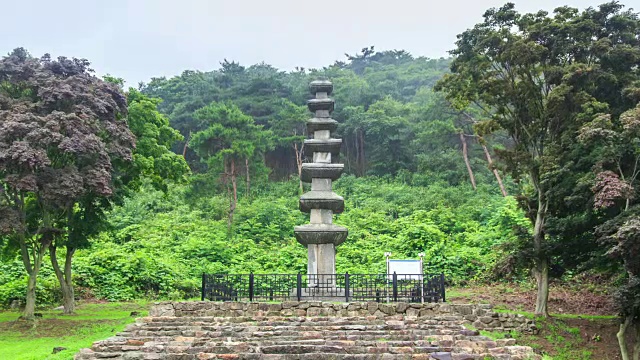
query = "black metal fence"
{"x": 347, "y": 287}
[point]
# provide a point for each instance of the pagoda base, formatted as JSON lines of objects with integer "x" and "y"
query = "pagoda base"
{"x": 319, "y": 294}
{"x": 322, "y": 260}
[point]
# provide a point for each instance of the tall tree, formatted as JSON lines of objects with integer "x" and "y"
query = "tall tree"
{"x": 229, "y": 139}
{"x": 289, "y": 129}
{"x": 533, "y": 76}
{"x": 614, "y": 146}
{"x": 61, "y": 129}
{"x": 152, "y": 161}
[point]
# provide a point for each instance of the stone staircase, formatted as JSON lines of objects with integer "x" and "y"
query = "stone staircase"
{"x": 268, "y": 333}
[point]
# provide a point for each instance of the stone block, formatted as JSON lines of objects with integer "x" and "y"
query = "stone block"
{"x": 464, "y": 309}
{"x": 506, "y": 342}
{"x": 412, "y": 312}
{"x": 401, "y": 307}
{"x": 485, "y": 319}
{"x": 479, "y": 324}
{"x": 162, "y": 310}
{"x": 426, "y": 312}
{"x": 372, "y": 307}
{"x": 379, "y": 314}
{"x": 314, "y": 311}
{"x": 388, "y": 309}
{"x": 353, "y": 306}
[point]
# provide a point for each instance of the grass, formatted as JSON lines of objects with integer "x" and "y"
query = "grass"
{"x": 530, "y": 315}
{"x": 21, "y": 340}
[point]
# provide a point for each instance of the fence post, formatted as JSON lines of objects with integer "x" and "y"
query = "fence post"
{"x": 251, "y": 286}
{"x": 442, "y": 286}
{"x": 299, "y": 286}
{"x": 346, "y": 286}
{"x": 395, "y": 287}
{"x": 204, "y": 283}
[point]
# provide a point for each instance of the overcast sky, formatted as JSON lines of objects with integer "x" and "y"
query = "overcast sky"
{"x": 140, "y": 39}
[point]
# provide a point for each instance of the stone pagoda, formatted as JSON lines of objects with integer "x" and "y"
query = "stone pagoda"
{"x": 321, "y": 236}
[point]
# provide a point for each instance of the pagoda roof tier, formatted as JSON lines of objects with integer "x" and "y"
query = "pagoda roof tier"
{"x": 320, "y": 104}
{"x": 321, "y": 86}
{"x": 323, "y": 145}
{"x": 321, "y": 171}
{"x": 316, "y": 124}
{"x": 320, "y": 234}
{"x": 321, "y": 199}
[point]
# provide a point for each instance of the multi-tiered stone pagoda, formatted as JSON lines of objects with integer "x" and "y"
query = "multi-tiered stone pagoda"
{"x": 321, "y": 236}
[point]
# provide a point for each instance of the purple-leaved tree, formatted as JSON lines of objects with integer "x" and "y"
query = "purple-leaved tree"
{"x": 62, "y": 130}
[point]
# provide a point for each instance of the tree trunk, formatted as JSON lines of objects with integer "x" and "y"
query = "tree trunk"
{"x": 357, "y": 148}
{"x": 347, "y": 157}
{"x": 636, "y": 347}
{"x": 494, "y": 170}
{"x": 233, "y": 199}
{"x": 362, "y": 156}
{"x": 622, "y": 341}
{"x": 542, "y": 283}
{"x": 69, "y": 303}
{"x": 246, "y": 164}
{"x": 186, "y": 145}
{"x": 466, "y": 161}
{"x": 225, "y": 181}
{"x": 30, "y": 306}
{"x": 64, "y": 278}
{"x": 541, "y": 268}
{"x": 299, "y": 163}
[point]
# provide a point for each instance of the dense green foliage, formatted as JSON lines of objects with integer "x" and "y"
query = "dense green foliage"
{"x": 159, "y": 244}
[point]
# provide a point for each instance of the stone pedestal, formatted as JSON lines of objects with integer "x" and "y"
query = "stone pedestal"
{"x": 322, "y": 259}
{"x": 321, "y": 236}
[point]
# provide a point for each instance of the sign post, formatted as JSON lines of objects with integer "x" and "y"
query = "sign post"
{"x": 421, "y": 276}
{"x": 387, "y": 255}
{"x": 409, "y": 270}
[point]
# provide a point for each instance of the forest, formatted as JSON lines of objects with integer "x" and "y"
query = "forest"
{"x": 515, "y": 160}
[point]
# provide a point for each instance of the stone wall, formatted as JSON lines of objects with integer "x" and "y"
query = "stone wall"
{"x": 481, "y": 316}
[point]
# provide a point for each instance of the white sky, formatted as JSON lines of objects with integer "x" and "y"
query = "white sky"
{"x": 139, "y": 39}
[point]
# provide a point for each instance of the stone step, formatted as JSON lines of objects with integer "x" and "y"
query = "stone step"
{"x": 327, "y": 325}
{"x": 84, "y": 355}
{"x": 252, "y": 337}
{"x": 185, "y": 322}
{"x": 289, "y": 333}
{"x": 434, "y": 339}
{"x": 299, "y": 327}
{"x": 296, "y": 346}
{"x": 288, "y": 319}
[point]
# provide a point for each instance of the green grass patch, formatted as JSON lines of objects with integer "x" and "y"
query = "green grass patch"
{"x": 530, "y": 315}
{"x": 22, "y": 340}
{"x": 495, "y": 335}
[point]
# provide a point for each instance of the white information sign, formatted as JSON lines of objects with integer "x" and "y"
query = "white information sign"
{"x": 406, "y": 267}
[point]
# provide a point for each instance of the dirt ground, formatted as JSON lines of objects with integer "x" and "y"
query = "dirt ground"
{"x": 562, "y": 299}
{"x": 582, "y": 326}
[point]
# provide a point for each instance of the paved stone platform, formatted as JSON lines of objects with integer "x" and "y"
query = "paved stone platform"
{"x": 270, "y": 331}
